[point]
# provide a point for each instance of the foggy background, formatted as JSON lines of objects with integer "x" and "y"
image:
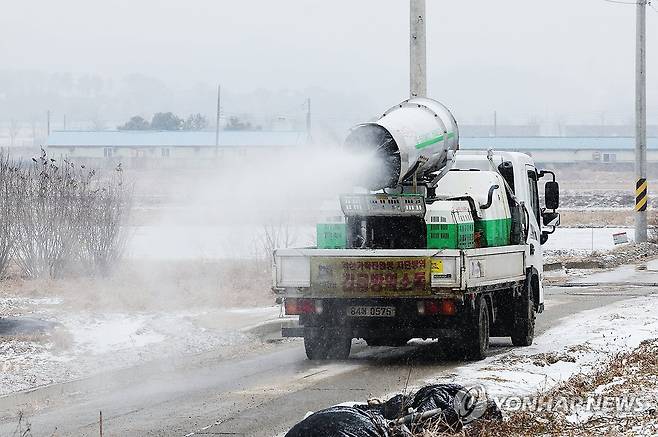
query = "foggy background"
{"x": 536, "y": 62}
{"x": 201, "y": 228}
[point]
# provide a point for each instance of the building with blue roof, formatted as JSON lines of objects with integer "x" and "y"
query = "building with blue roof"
{"x": 150, "y": 146}
{"x": 566, "y": 149}
{"x": 142, "y": 147}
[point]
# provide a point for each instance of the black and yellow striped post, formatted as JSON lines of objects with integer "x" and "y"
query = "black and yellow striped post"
{"x": 641, "y": 195}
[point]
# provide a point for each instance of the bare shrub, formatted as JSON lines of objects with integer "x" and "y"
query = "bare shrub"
{"x": 276, "y": 235}
{"x": 67, "y": 220}
{"x": 44, "y": 201}
{"x": 5, "y": 213}
{"x": 101, "y": 231}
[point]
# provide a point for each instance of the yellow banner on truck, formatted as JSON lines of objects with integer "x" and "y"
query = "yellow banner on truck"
{"x": 357, "y": 277}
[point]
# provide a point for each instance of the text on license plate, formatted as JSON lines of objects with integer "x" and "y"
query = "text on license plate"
{"x": 370, "y": 311}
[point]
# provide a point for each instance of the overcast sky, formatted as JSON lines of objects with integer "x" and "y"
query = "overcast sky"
{"x": 525, "y": 58}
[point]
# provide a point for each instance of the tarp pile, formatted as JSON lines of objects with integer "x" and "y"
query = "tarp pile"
{"x": 443, "y": 407}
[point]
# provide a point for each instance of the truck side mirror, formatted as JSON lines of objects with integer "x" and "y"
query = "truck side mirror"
{"x": 551, "y": 218}
{"x": 552, "y": 195}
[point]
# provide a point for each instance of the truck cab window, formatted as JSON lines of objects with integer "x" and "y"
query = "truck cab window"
{"x": 534, "y": 194}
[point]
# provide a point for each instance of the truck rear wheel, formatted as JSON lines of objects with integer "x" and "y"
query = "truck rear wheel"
{"x": 477, "y": 336}
{"x": 314, "y": 347}
{"x": 327, "y": 345}
{"x": 523, "y": 327}
{"x": 339, "y": 348}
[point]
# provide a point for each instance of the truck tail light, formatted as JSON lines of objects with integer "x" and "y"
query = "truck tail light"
{"x": 303, "y": 306}
{"x": 448, "y": 307}
{"x": 432, "y": 307}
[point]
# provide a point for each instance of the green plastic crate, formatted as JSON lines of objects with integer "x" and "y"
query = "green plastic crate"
{"x": 494, "y": 232}
{"x": 459, "y": 234}
{"x": 331, "y": 235}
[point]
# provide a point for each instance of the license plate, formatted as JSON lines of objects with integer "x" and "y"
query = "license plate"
{"x": 370, "y": 311}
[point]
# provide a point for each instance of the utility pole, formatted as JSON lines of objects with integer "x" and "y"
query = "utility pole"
{"x": 308, "y": 121}
{"x": 418, "y": 49}
{"x": 495, "y": 126}
{"x": 64, "y": 122}
{"x": 48, "y": 123}
{"x": 219, "y": 101}
{"x": 641, "y": 187}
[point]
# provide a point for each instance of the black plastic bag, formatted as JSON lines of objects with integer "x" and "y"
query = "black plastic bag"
{"x": 342, "y": 421}
{"x": 446, "y": 406}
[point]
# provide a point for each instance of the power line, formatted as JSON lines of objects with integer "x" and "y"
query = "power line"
{"x": 620, "y": 2}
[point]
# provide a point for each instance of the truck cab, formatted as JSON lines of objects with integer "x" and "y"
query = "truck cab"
{"x": 523, "y": 178}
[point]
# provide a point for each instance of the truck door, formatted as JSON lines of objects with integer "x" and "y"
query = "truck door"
{"x": 534, "y": 231}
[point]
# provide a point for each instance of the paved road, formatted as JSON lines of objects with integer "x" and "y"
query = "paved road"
{"x": 261, "y": 392}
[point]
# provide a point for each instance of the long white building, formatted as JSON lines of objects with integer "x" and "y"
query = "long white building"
{"x": 164, "y": 148}
{"x": 565, "y": 150}
{"x": 169, "y": 148}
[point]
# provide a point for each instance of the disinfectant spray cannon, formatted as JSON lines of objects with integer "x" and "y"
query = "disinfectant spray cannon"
{"x": 410, "y": 143}
{"x": 416, "y": 201}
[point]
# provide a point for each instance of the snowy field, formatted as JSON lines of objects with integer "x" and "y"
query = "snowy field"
{"x": 584, "y": 238}
{"x": 579, "y": 344}
{"x": 48, "y": 342}
{"x": 218, "y": 242}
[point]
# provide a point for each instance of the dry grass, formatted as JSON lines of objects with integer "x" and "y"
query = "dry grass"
{"x": 596, "y": 218}
{"x": 639, "y": 370}
{"x": 156, "y": 285}
{"x": 539, "y": 360}
{"x": 605, "y": 218}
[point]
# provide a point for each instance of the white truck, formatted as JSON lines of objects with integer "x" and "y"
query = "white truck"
{"x": 445, "y": 244}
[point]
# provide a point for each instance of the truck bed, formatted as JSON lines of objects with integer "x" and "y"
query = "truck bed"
{"x": 368, "y": 273}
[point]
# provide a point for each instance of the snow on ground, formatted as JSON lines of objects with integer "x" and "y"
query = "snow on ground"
{"x": 43, "y": 341}
{"x": 96, "y": 334}
{"x": 18, "y": 305}
{"x": 583, "y": 239}
{"x": 577, "y": 345}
